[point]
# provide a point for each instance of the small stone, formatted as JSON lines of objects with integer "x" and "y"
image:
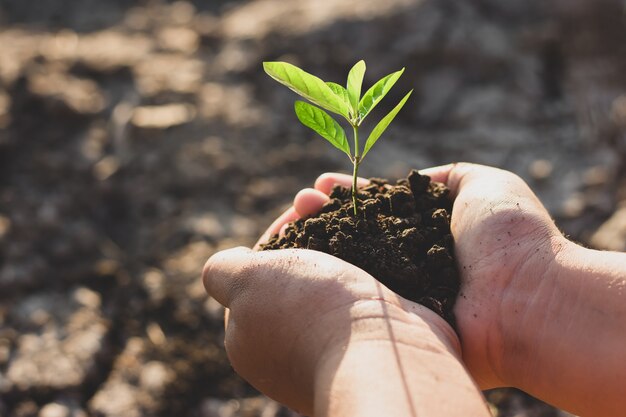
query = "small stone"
{"x": 540, "y": 169}
{"x": 178, "y": 39}
{"x": 153, "y": 281}
{"x": 163, "y": 117}
{"x": 595, "y": 176}
{"x": 155, "y": 334}
{"x": 154, "y": 376}
{"x": 574, "y": 205}
{"x": 106, "y": 167}
{"x": 87, "y": 298}
{"x": 54, "y": 410}
{"x": 62, "y": 408}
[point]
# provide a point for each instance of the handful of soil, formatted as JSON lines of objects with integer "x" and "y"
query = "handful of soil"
{"x": 401, "y": 236}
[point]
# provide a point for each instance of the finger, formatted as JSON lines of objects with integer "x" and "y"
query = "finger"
{"x": 288, "y": 216}
{"x": 306, "y": 203}
{"x": 327, "y": 181}
{"x": 309, "y": 202}
{"x": 225, "y": 274}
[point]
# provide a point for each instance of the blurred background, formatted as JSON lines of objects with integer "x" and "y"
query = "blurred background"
{"x": 138, "y": 137}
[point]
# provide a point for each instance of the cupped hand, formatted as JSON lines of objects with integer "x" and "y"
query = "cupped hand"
{"x": 505, "y": 242}
{"x": 293, "y": 311}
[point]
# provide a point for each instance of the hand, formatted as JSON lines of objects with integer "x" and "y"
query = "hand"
{"x": 291, "y": 310}
{"x": 322, "y": 336}
{"x": 535, "y": 310}
{"x": 505, "y": 241}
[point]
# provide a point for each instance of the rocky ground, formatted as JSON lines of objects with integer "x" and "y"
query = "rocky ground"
{"x": 139, "y": 137}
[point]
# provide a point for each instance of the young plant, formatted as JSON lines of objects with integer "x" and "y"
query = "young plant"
{"x": 346, "y": 102}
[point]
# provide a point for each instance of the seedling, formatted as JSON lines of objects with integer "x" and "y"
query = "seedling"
{"x": 346, "y": 102}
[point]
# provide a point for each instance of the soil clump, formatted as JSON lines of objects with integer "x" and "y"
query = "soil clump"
{"x": 401, "y": 236}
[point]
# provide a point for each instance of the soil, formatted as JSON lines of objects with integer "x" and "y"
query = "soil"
{"x": 400, "y": 235}
{"x": 139, "y": 137}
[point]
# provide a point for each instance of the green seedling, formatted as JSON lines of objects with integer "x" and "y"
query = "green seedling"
{"x": 346, "y": 102}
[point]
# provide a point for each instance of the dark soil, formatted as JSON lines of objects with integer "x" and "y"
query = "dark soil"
{"x": 139, "y": 137}
{"x": 401, "y": 236}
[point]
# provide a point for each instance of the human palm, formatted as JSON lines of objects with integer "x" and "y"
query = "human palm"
{"x": 503, "y": 236}
{"x": 291, "y": 310}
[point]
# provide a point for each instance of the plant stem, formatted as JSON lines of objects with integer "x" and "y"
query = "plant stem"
{"x": 356, "y": 162}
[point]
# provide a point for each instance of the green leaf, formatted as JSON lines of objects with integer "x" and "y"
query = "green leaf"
{"x": 340, "y": 91}
{"x": 318, "y": 120}
{"x": 307, "y": 85}
{"x": 383, "y": 124}
{"x": 376, "y": 93}
{"x": 355, "y": 82}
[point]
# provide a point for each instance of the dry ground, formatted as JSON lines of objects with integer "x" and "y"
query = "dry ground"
{"x": 139, "y": 137}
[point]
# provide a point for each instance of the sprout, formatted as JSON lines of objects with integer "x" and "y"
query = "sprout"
{"x": 346, "y": 102}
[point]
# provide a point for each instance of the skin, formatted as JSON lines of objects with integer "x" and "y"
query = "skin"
{"x": 535, "y": 311}
{"x": 325, "y": 338}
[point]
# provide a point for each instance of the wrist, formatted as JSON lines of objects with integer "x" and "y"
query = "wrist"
{"x": 523, "y": 315}
{"x": 569, "y": 347}
{"x": 379, "y": 368}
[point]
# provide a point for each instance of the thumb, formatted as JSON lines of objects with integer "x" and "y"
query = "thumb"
{"x": 455, "y": 175}
{"x": 226, "y": 274}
